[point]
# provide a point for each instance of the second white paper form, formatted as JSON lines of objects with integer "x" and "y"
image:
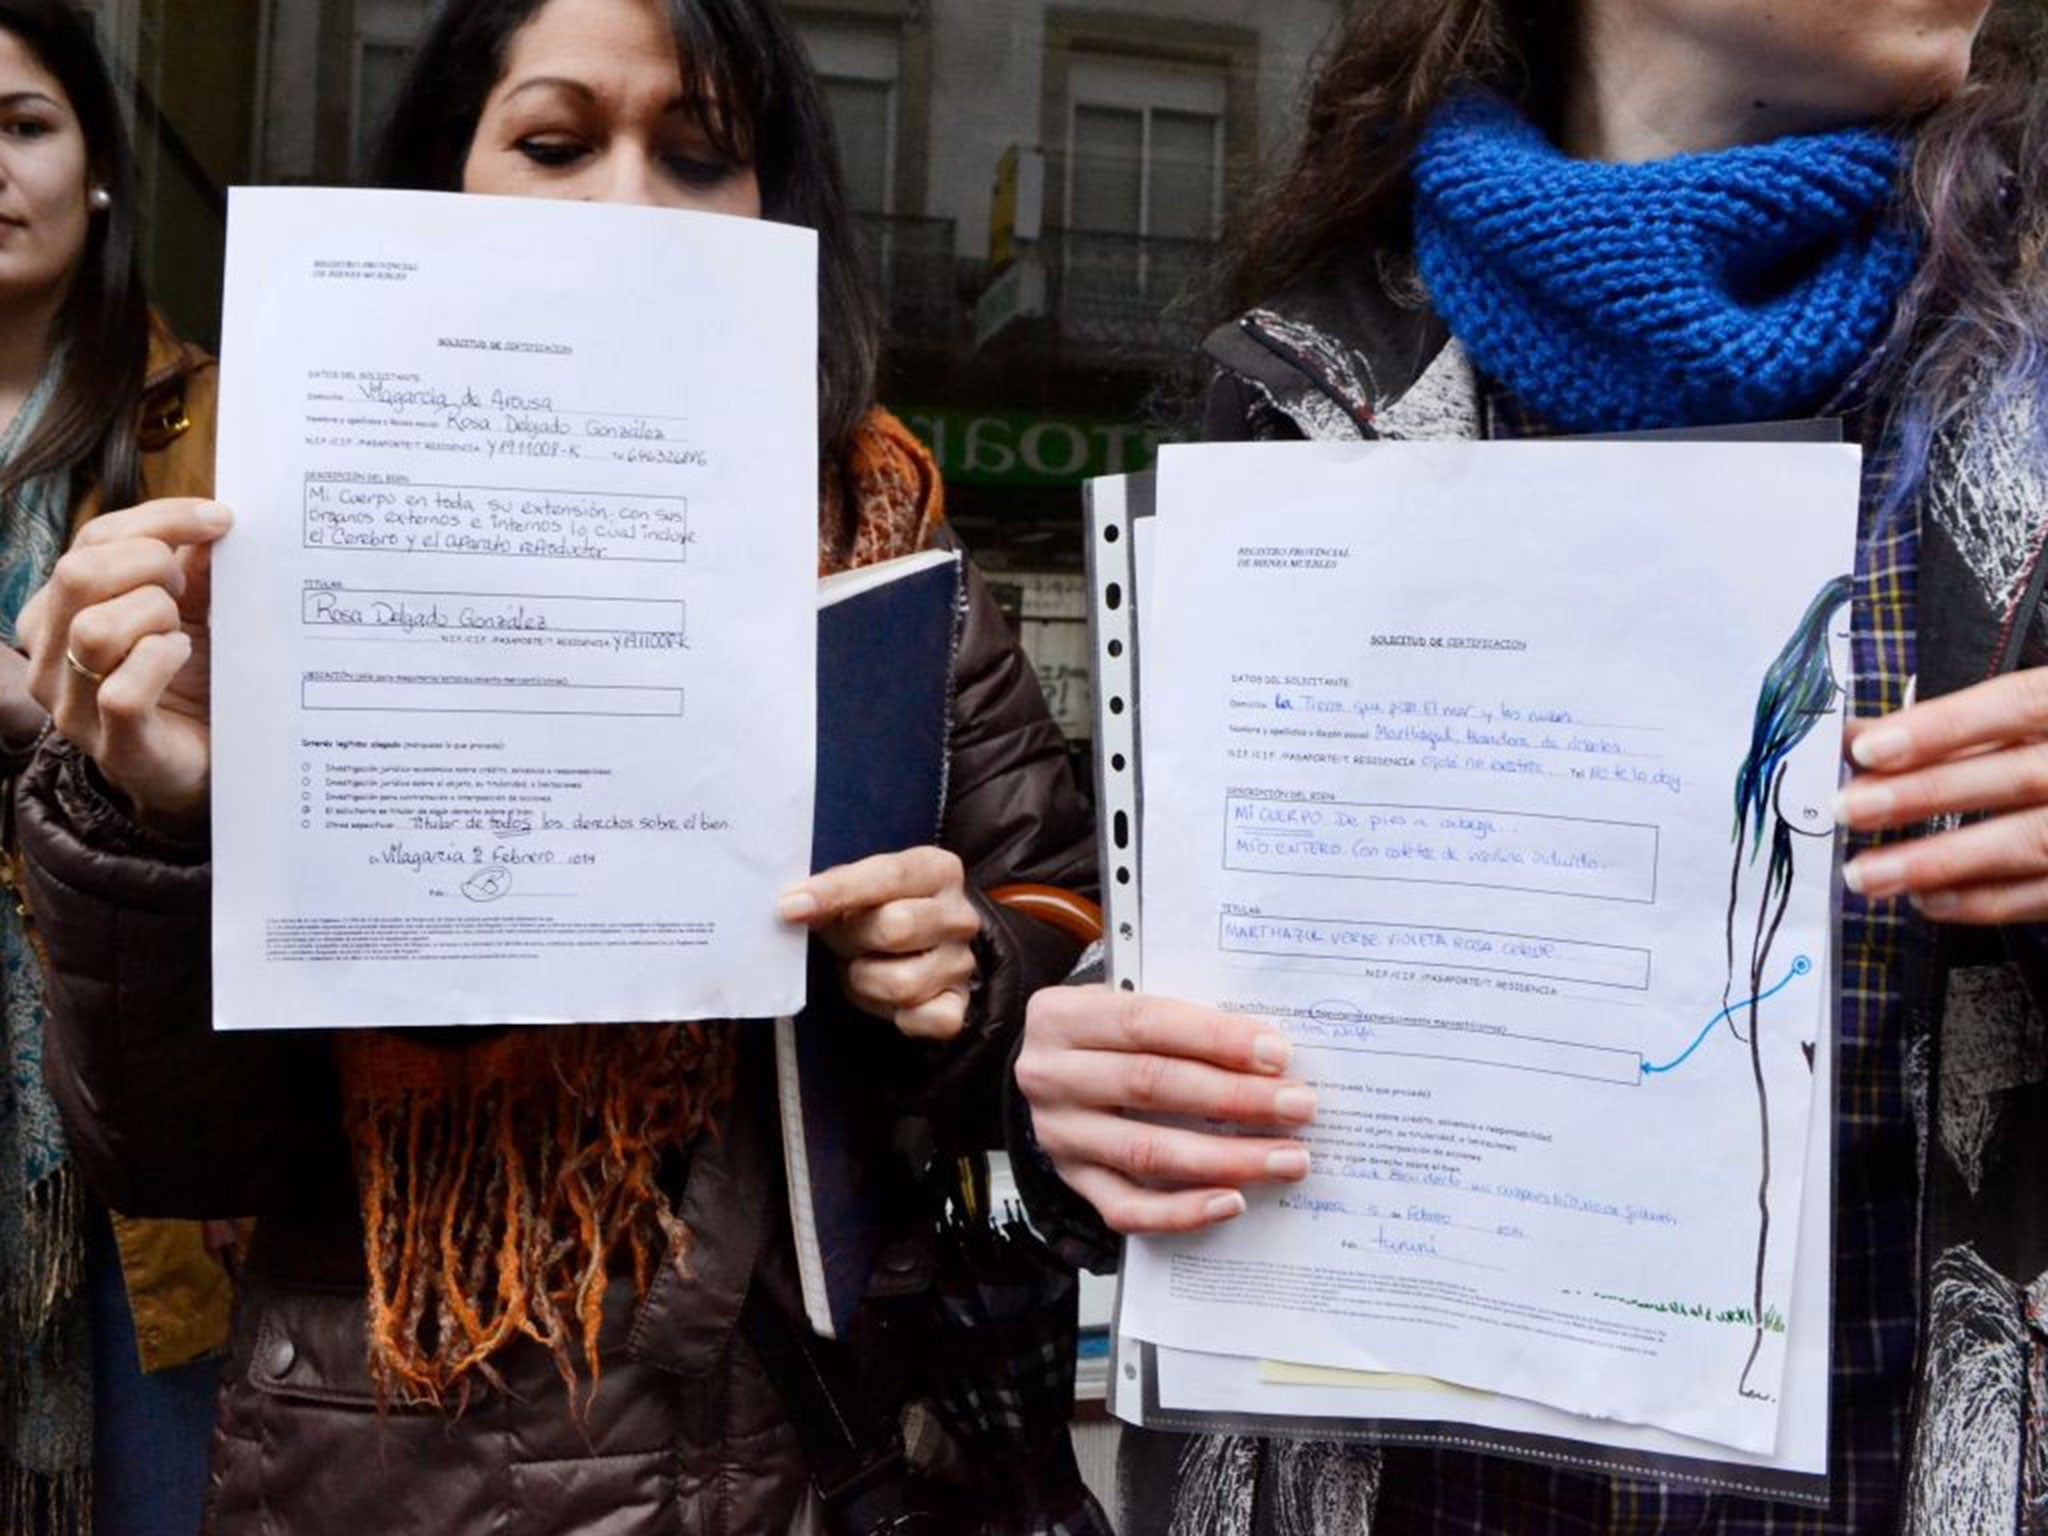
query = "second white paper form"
{"x": 513, "y": 639}
{"x": 1455, "y": 744}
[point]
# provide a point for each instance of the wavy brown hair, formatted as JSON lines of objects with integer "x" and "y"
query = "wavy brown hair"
{"x": 1973, "y": 327}
{"x": 1346, "y": 191}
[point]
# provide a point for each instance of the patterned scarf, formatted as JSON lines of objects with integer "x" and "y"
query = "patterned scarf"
{"x": 503, "y": 1182}
{"x": 1743, "y": 285}
{"x": 45, "y": 1347}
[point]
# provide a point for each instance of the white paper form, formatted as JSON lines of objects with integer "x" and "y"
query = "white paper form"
{"x": 1457, "y": 734}
{"x": 514, "y": 637}
{"x": 1252, "y": 1396}
{"x": 1204, "y": 1393}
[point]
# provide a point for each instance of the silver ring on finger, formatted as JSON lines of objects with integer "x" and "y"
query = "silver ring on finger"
{"x": 71, "y": 660}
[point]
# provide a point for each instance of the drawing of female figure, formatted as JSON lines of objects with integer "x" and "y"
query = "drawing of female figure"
{"x": 1799, "y": 690}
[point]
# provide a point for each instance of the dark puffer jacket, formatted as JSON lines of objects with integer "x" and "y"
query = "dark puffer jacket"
{"x": 686, "y": 1435}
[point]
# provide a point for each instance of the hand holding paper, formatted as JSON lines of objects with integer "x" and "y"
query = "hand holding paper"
{"x": 904, "y": 931}
{"x": 1981, "y": 752}
{"x": 118, "y": 642}
{"x": 1091, "y": 1053}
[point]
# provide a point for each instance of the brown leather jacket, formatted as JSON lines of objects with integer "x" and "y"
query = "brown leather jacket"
{"x": 178, "y": 1291}
{"x": 686, "y": 1434}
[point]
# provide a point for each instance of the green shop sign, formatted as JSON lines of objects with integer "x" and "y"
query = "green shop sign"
{"x": 1009, "y": 448}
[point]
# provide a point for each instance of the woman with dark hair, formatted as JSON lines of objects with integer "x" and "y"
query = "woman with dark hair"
{"x": 498, "y": 1279}
{"x": 96, "y": 409}
{"x": 750, "y": 116}
{"x": 1591, "y": 216}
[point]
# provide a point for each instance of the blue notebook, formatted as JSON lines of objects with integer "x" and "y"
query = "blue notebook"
{"x": 886, "y": 640}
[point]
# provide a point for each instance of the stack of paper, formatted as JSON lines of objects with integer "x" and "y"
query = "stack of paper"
{"x": 1499, "y": 778}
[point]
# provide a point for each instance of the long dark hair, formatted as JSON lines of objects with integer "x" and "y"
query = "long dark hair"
{"x": 761, "y": 107}
{"x": 1972, "y": 336}
{"x": 1974, "y": 326}
{"x": 91, "y": 426}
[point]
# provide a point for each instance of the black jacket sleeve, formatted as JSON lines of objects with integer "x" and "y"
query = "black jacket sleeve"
{"x": 165, "y": 1117}
{"x": 1014, "y": 815}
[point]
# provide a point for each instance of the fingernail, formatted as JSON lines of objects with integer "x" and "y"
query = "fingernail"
{"x": 1876, "y": 748}
{"x": 1864, "y": 802}
{"x": 1939, "y": 904}
{"x": 1289, "y": 1164}
{"x": 1875, "y": 874}
{"x": 214, "y": 515}
{"x": 1272, "y": 1052}
{"x": 1224, "y": 1207}
{"x": 1295, "y": 1103}
{"x": 798, "y": 906}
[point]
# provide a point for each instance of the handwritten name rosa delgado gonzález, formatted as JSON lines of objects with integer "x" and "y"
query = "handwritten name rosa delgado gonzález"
{"x": 332, "y": 607}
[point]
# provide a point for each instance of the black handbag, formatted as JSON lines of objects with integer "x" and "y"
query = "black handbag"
{"x": 996, "y": 1335}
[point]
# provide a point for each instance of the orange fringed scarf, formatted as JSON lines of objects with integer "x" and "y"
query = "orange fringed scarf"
{"x": 502, "y": 1183}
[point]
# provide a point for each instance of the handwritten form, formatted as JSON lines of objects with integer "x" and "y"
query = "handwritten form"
{"x": 1457, "y": 738}
{"x": 513, "y": 640}
{"x": 1255, "y": 1396}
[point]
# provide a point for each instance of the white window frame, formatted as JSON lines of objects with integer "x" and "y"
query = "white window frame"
{"x": 1148, "y": 86}
{"x": 866, "y": 53}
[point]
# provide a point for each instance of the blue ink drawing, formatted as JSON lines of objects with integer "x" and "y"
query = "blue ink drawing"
{"x": 1800, "y": 967}
{"x": 1799, "y": 690}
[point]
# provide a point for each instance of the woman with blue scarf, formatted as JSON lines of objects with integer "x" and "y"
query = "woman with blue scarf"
{"x": 1515, "y": 217}
{"x": 94, "y": 406}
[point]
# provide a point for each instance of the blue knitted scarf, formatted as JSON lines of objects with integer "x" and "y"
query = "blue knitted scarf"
{"x": 1740, "y": 286}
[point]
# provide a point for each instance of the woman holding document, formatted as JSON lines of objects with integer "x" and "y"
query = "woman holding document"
{"x": 105, "y": 1395}
{"x": 374, "y": 1384}
{"x": 1513, "y": 219}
